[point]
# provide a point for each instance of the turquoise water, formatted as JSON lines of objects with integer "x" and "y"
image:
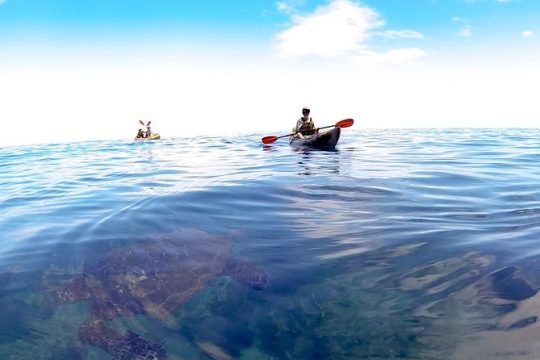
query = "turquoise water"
{"x": 415, "y": 244}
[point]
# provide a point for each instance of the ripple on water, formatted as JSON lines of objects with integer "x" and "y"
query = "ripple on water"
{"x": 399, "y": 244}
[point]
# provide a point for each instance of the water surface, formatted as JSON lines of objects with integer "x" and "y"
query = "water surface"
{"x": 416, "y": 244}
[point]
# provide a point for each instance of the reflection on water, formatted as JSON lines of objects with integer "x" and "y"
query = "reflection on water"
{"x": 314, "y": 161}
{"x": 399, "y": 244}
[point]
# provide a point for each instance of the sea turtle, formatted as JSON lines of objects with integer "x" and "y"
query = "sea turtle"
{"x": 154, "y": 279}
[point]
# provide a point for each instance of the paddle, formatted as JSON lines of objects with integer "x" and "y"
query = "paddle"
{"x": 142, "y": 123}
{"x": 341, "y": 124}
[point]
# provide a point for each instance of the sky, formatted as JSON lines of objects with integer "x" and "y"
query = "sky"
{"x": 91, "y": 69}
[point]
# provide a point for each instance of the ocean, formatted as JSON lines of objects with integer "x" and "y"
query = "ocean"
{"x": 400, "y": 244}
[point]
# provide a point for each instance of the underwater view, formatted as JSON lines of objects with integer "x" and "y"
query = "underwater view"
{"x": 398, "y": 244}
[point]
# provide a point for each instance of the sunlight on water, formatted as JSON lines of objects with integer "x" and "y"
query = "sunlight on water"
{"x": 398, "y": 244}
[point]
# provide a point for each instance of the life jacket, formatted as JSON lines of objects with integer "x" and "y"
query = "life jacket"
{"x": 307, "y": 128}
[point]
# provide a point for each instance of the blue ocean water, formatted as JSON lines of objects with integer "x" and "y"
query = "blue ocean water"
{"x": 414, "y": 244}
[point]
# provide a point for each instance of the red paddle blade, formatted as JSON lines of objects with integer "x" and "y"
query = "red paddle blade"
{"x": 148, "y": 124}
{"x": 141, "y": 122}
{"x": 345, "y": 123}
{"x": 269, "y": 139}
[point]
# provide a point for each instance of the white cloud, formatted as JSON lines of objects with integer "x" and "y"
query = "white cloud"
{"x": 284, "y": 7}
{"x": 527, "y": 34}
{"x": 391, "y": 57}
{"x": 333, "y": 30}
{"x": 341, "y": 29}
{"x": 465, "y": 31}
{"x": 459, "y": 19}
{"x": 288, "y": 6}
{"x": 400, "y": 34}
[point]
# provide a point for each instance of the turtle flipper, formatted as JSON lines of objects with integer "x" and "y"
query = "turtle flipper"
{"x": 74, "y": 291}
{"x": 246, "y": 274}
{"x": 133, "y": 347}
{"x": 121, "y": 347}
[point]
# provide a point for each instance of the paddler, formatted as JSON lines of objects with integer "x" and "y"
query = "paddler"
{"x": 305, "y": 125}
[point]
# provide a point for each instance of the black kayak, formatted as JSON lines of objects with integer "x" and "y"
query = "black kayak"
{"x": 323, "y": 140}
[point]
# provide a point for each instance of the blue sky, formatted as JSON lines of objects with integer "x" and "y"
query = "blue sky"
{"x": 435, "y": 62}
{"x": 226, "y": 17}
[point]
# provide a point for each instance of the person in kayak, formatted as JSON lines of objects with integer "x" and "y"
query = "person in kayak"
{"x": 140, "y": 134}
{"x": 148, "y": 132}
{"x": 305, "y": 125}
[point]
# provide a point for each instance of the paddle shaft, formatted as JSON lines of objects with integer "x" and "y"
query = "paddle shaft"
{"x": 326, "y": 127}
{"x": 296, "y": 132}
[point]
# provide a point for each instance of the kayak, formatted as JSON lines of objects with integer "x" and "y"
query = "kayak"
{"x": 152, "y": 137}
{"x": 323, "y": 140}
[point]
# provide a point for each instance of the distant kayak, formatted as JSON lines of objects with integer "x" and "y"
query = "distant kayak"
{"x": 323, "y": 140}
{"x": 152, "y": 137}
